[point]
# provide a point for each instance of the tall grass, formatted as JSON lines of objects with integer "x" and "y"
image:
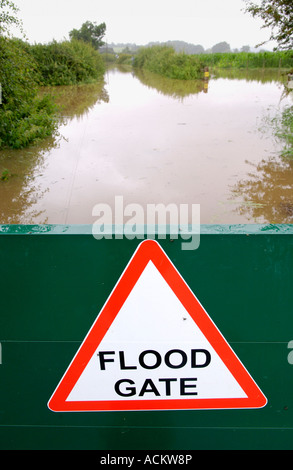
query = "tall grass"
{"x": 241, "y": 60}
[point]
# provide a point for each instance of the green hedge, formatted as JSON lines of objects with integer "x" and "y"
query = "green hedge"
{"x": 67, "y": 63}
{"x": 24, "y": 117}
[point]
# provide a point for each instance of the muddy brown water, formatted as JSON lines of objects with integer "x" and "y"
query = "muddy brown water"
{"x": 155, "y": 140}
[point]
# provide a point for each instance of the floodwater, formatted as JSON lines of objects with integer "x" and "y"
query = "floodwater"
{"x": 155, "y": 140}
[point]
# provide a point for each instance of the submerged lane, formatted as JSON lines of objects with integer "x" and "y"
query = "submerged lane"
{"x": 152, "y": 140}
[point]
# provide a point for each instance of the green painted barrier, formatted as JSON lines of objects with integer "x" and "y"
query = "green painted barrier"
{"x": 56, "y": 279}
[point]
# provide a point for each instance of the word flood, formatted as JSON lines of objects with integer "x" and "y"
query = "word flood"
{"x": 151, "y": 359}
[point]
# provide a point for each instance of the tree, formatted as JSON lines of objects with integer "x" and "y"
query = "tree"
{"x": 221, "y": 47}
{"x": 91, "y": 33}
{"x": 277, "y": 16}
{"x": 8, "y": 16}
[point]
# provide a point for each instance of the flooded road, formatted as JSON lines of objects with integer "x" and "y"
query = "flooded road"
{"x": 155, "y": 140}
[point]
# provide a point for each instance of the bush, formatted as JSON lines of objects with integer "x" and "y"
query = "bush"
{"x": 24, "y": 117}
{"x": 124, "y": 58}
{"x": 67, "y": 63}
{"x": 165, "y": 61}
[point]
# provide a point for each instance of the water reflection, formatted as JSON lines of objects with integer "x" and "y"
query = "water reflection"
{"x": 253, "y": 75}
{"x": 21, "y": 193}
{"x": 77, "y": 100}
{"x": 266, "y": 195}
{"x": 177, "y": 89}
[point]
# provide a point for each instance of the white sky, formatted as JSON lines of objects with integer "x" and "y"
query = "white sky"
{"x": 204, "y": 22}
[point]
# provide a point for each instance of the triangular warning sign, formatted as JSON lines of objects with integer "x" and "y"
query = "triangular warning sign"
{"x": 154, "y": 347}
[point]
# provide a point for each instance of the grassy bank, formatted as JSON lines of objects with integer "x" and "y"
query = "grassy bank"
{"x": 165, "y": 61}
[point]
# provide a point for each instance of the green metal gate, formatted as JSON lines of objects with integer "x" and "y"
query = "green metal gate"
{"x": 55, "y": 279}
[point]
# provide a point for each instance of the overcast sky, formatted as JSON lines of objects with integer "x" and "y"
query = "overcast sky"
{"x": 204, "y": 22}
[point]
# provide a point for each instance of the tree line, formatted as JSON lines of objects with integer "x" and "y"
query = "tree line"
{"x": 178, "y": 46}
